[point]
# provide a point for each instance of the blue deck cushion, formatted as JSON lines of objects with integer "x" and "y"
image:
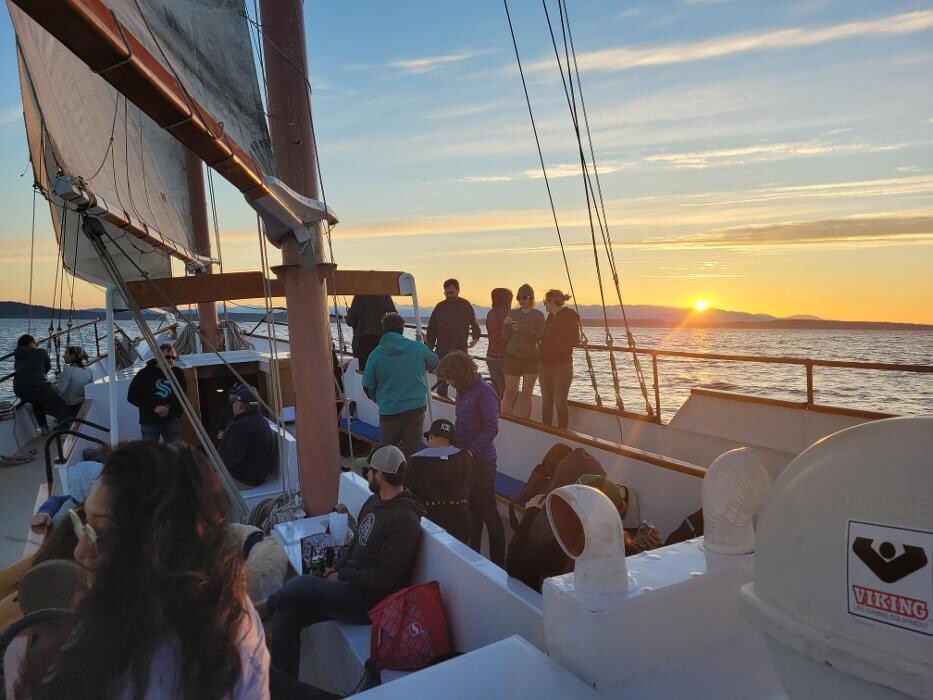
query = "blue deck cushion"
{"x": 367, "y": 431}
{"x": 509, "y": 487}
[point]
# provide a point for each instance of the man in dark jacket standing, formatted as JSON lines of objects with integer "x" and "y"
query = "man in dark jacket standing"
{"x": 30, "y": 365}
{"x": 439, "y": 477}
{"x": 152, "y": 393}
{"x": 377, "y": 563}
{"x": 452, "y": 322}
{"x": 365, "y": 318}
{"x": 247, "y": 445}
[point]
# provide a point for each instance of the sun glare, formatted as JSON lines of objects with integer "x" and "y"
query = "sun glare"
{"x": 700, "y": 305}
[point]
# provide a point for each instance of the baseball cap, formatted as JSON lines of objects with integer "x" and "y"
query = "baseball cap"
{"x": 385, "y": 458}
{"x": 243, "y": 393}
{"x": 614, "y": 492}
{"x": 441, "y": 428}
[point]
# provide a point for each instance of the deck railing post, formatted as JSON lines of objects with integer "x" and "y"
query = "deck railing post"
{"x": 809, "y": 365}
{"x": 97, "y": 338}
{"x": 657, "y": 386}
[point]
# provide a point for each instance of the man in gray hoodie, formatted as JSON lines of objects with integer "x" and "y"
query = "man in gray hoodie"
{"x": 377, "y": 563}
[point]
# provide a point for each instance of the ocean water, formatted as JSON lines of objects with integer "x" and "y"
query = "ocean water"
{"x": 889, "y": 392}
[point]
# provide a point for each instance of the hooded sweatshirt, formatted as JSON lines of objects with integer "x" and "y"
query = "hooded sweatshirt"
{"x": 523, "y": 339}
{"x": 439, "y": 477}
{"x": 366, "y": 311}
{"x": 477, "y": 413}
{"x": 30, "y": 367}
{"x": 248, "y": 447}
{"x": 382, "y": 555}
{"x": 150, "y": 388}
{"x": 394, "y": 376}
{"x": 501, "y": 303}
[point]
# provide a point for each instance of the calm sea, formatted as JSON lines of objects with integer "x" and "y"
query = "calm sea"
{"x": 890, "y": 392}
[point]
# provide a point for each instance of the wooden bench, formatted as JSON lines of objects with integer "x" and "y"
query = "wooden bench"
{"x": 469, "y": 582}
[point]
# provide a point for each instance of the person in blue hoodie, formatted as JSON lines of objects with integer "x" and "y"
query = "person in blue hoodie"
{"x": 395, "y": 380}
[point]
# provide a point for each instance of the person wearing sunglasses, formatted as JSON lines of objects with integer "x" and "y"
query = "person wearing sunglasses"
{"x": 522, "y": 330}
{"x": 155, "y": 397}
{"x": 167, "y": 614}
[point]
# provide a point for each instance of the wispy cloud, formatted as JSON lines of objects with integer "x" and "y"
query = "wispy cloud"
{"x": 620, "y": 59}
{"x": 457, "y": 111}
{"x": 426, "y": 64}
{"x": 555, "y": 171}
{"x": 860, "y": 231}
{"x": 11, "y": 115}
{"x": 488, "y": 178}
{"x": 767, "y": 152}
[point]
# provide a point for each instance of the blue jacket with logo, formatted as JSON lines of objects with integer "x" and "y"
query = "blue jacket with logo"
{"x": 151, "y": 388}
{"x": 394, "y": 376}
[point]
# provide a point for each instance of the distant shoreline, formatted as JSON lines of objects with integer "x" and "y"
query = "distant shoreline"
{"x": 10, "y": 310}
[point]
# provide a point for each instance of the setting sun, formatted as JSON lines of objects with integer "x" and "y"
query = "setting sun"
{"x": 700, "y": 305}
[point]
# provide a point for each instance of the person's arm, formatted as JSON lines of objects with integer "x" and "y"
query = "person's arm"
{"x": 488, "y": 419}
{"x": 370, "y": 384}
{"x": 390, "y": 306}
{"x": 350, "y": 318}
{"x": 48, "y": 360}
{"x": 63, "y": 381}
{"x": 430, "y": 359}
{"x": 136, "y": 393}
{"x": 475, "y": 330}
{"x": 507, "y": 327}
{"x": 53, "y": 504}
{"x": 233, "y": 447}
{"x": 430, "y": 336}
{"x": 394, "y": 557}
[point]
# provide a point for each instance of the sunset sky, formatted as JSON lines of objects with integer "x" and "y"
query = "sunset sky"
{"x": 764, "y": 157}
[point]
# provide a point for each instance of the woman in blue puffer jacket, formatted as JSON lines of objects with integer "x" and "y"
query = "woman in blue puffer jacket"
{"x": 477, "y": 413}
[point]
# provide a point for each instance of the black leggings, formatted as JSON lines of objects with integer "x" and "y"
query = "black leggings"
{"x": 485, "y": 511}
{"x": 45, "y": 400}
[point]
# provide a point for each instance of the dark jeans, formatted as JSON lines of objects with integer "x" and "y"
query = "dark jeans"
{"x": 45, "y": 400}
{"x": 284, "y": 687}
{"x": 404, "y": 430}
{"x": 170, "y": 431}
{"x": 304, "y": 601}
{"x": 555, "y": 386}
{"x": 496, "y": 373}
{"x": 485, "y": 511}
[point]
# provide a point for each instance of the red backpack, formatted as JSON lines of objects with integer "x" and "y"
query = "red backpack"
{"x": 409, "y": 629}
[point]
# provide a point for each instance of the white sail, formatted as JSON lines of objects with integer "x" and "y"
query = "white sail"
{"x": 206, "y": 45}
{"x": 80, "y": 128}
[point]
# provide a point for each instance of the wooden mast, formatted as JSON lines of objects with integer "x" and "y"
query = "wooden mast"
{"x": 303, "y": 273}
{"x": 207, "y": 311}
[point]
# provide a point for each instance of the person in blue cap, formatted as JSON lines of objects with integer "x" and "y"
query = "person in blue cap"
{"x": 247, "y": 445}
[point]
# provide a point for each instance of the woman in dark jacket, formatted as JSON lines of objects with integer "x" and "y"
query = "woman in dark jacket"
{"x": 555, "y": 356}
{"x": 477, "y": 413}
{"x": 495, "y": 354}
{"x": 30, "y": 366}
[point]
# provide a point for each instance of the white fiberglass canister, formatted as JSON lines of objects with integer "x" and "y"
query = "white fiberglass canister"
{"x": 844, "y": 565}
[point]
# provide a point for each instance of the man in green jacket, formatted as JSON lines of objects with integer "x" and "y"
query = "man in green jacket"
{"x": 395, "y": 380}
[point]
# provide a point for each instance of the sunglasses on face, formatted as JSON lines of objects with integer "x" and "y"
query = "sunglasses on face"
{"x": 82, "y": 529}
{"x": 171, "y": 358}
{"x": 525, "y": 297}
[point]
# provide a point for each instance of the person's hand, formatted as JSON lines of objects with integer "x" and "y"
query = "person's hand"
{"x": 220, "y": 434}
{"x": 648, "y": 539}
{"x": 536, "y": 501}
{"x": 40, "y": 522}
{"x": 330, "y": 574}
{"x": 473, "y": 343}
{"x": 161, "y": 410}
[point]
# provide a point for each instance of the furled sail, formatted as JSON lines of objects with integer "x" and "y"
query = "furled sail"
{"x": 84, "y": 138}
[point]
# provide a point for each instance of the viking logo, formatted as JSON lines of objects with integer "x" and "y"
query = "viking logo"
{"x": 366, "y": 528}
{"x": 163, "y": 388}
{"x": 884, "y": 564}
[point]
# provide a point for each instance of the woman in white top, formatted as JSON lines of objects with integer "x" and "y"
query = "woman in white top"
{"x": 72, "y": 379}
{"x": 167, "y": 615}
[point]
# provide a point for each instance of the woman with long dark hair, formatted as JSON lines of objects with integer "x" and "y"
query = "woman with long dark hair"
{"x": 167, "y": 614}
{"x": 477, "y": 424}
{"x": 73, "y": 378}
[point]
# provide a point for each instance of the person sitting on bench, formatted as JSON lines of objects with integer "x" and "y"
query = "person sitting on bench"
{"x": 439, "y": 477}
{"x": 378, "y": 562}
{"x": 247, "y": 445}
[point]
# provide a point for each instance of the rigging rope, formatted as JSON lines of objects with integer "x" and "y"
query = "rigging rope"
{"x": 585, "y": 342}
{"x": 603, "y": 220}
{"x": 32, "y": 259}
